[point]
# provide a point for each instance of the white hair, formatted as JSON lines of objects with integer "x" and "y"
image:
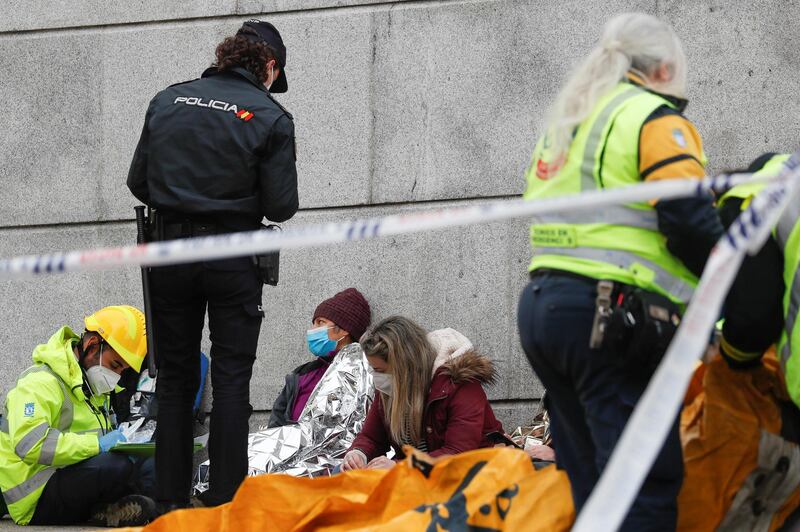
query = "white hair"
{"x": 634, "y": 42}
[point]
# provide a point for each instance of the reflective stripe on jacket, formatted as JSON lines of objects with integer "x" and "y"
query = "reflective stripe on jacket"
{"x": 787, "y": 233}
{"x": 47, "y": 424}
{"x": 620, "y": 243}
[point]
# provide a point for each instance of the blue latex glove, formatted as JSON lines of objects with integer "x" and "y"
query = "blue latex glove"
{"x": 107, "y": 441}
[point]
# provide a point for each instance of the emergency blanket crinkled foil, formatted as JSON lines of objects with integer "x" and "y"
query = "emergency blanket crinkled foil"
{"x": 330, "y": 421}
{"x": 538, "y": 433}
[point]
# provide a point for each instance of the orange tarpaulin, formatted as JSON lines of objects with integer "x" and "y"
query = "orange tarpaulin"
{"x": 739, "y": 474}
{"x": 493, "y": 489}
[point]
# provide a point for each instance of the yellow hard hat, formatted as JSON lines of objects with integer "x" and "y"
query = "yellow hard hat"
{"x": 123, "y": 327}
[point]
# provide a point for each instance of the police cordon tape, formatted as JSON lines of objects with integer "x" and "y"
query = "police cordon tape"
{"x": 256, "y": 242}
{"x": 655, "y": 412}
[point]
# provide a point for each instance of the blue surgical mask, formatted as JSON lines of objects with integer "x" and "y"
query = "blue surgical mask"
{"x": 318, "y": 341}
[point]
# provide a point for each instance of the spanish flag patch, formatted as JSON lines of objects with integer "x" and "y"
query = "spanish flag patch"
{"x": 244, "y": 115}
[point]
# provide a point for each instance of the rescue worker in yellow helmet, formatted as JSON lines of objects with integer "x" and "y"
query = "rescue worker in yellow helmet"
{"x": 56, "y": 430}
{"x": 608, "y": 285}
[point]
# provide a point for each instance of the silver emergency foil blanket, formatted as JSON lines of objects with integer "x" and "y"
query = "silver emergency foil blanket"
{"x": 139, "y": 430}
{"x": 330, "y": 421}
{"x": 143, "y": 400}
{"x": 537, "y": 433}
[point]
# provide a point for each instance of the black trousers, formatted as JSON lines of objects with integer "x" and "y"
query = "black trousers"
{"x": 231, "y": 290}
{"x": 74, "y": 491}
{"x": 590, "y": 398}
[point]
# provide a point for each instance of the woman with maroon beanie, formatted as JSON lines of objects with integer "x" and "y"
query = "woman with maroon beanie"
{"x": 337, "y": 322}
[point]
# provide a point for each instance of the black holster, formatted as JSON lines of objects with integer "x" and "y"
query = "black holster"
{"x": 154, "y": 225}
{"x": 144, "y": 234}
{"x": 640, "y": 328}
{"x": 268, "y": 264}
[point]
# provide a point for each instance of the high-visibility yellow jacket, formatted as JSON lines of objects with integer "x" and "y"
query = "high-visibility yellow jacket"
{"x": 621, "y": 243}
{"x": 47, "y": 423}
{"x": 787, "y": 236}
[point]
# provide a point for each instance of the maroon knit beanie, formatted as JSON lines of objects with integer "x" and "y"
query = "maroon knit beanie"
{"x": 349, "y": 310}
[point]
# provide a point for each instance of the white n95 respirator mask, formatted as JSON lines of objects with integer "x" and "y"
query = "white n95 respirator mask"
{"x": 101, "y": 379}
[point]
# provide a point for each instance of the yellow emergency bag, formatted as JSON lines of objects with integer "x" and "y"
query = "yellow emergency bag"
{"x": 739, "y": 473}
{"x": 490, "y": 489}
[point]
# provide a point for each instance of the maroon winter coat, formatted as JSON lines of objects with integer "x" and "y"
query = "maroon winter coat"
{"x": 457, "y": 414}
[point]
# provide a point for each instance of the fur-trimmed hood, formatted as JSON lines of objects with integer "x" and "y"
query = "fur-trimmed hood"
{"x": 457, "y": 358}
{"x": 450, "y": 424}
{"x": 471, "y": 366}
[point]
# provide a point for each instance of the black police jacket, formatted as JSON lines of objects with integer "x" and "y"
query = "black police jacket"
{"x": 218, "y": 146}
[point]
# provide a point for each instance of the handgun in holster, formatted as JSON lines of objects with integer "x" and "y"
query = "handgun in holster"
{"x": 268, "y": 264}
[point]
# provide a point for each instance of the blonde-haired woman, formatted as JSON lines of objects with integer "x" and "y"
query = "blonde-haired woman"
{"x": 616, "y": 122}
{"x": 429, "y": 395}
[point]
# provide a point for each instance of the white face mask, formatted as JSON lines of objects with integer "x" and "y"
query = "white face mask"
{"x": 101, "y": 379}
{"x": 382, "y": 382}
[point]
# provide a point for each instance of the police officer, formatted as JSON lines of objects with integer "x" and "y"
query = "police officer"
{"x": 762, "y": 306}
{"x": 617, "y": 122}
{"x": 216, "y": 155}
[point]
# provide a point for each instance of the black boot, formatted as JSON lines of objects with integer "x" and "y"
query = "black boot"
{"x": 131, "y": 510}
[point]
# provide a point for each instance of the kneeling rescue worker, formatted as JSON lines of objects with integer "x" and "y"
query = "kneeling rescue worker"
{"x": 607, "y": 286}
{"x": 57, "y": 429}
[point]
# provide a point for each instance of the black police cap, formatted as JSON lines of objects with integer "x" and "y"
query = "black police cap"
{"x": 267, "y": 33}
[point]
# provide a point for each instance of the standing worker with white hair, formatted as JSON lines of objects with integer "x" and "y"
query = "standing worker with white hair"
{"x": 607, "y": 287}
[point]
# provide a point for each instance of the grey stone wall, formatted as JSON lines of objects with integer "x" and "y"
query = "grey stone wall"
{"x": 398, "y": 106}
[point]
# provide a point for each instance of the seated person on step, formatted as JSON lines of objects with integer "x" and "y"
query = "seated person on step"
{"x": 429, "y": 395}
{"x": 337, "y": 322}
